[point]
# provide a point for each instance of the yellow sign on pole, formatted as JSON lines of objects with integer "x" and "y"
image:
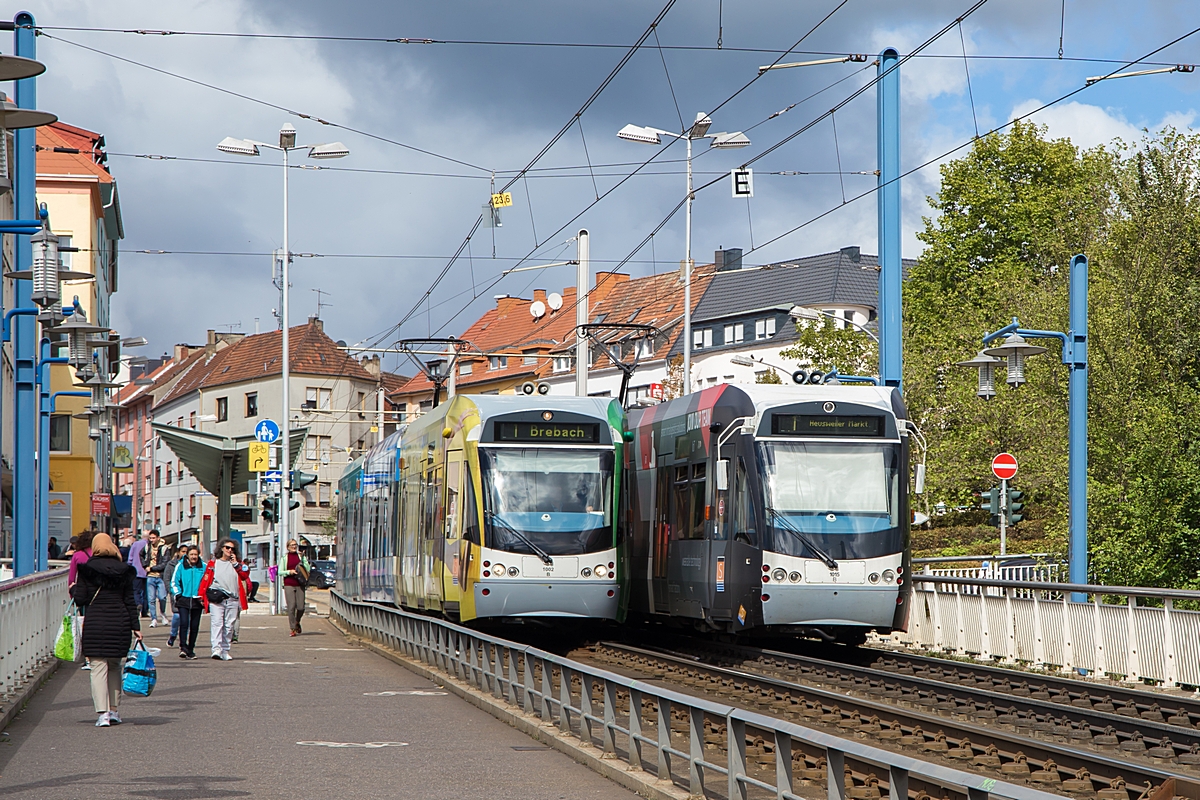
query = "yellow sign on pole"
{"x": 502, "y": 200}
{"x": 260, "y": 456}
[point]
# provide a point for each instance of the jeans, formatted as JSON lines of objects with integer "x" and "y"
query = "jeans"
{"x": 156, "y": 590}
{"x": 222, "y": 617}
{"x": 139, "y": 594}
{"x": 294, "y": 596}
{"x": 189, "y": 628}
{"x": 175, "y": 624}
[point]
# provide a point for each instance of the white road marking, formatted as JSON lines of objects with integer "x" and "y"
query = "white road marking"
{"x": 412, "y": 692}
{"x": 368, "y": 745}
{"x": 280, "y": 663}
{"x": 335, "y": 649}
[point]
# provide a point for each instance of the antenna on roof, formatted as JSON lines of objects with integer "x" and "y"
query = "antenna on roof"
{"x": 320, "y": 303}
{"x": 230, "y": 326}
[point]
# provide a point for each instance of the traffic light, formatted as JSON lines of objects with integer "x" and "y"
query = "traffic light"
{"x": 991, "y": 504}
{"x": 302, "y": 479}
{"x": 270, "y": 509}
{"x": 1015, "y": 506}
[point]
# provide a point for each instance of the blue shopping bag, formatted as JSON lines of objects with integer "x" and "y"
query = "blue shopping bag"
{"x": 139, "y": 675}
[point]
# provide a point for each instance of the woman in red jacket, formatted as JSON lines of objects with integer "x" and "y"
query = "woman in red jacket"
{"x": 223, "y": 592}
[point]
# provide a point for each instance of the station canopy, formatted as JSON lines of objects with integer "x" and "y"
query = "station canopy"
{"x": 205, "y": 454}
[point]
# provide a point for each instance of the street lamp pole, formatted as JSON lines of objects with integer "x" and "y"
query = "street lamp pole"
{"x": 724, "y": 141}
{"x": 250, "y": 147}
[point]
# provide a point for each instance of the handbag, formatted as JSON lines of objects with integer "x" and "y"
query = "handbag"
{"x": 70, "y": 638}
{"x": 139, "y": 675}
{"x": 216, "y": 594}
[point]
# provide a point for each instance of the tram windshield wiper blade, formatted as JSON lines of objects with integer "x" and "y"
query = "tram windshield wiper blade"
{"x": 782, "y": 522}
{"x": 542, "y": 554}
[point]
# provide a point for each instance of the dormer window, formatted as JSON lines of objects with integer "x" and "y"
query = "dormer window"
{"x": 562, "y": 363}
{"x": 498, "y": 362}
{"x": 531, "y": 357}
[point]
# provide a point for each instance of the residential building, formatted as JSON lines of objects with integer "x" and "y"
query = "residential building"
{"x": 85, "y": 213}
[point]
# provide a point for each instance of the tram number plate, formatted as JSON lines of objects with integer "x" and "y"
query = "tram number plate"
{"x": 563, "y": 567}
{"x": 847, "y": 572}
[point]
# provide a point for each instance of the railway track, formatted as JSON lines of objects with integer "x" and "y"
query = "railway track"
{"x": 1051, "y": 754}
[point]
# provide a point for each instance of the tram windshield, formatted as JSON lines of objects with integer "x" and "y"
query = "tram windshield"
{"x": 830, "y": 489}
{"x": 559, "y": 499}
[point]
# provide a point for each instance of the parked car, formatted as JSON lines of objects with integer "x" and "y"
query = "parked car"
{"x": 328, "y": 568}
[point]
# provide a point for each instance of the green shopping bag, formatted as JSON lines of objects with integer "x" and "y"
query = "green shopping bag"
{"x": 69, "y": 641}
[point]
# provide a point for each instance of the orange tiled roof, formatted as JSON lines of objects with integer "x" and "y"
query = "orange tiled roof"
{"x": 68, "y": 137}
{"x": 311, "y": 352}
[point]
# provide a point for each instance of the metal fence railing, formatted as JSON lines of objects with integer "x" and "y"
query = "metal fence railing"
{"x": 1143, "y": 636}
{"x": 31, "y": 612}
{"x": 1036, "y": 567}
{"x": 687, "y": 740}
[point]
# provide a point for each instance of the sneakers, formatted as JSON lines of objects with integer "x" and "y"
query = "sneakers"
{"x": 86, "y": 665}
{"x": 226, "y": 657}
{"x": 154, "y": 623}
{"x": 170, "y": 641}
{"x": 114, "y": 718}
{"x": 191, "y": 656}
{"x": 298, "y": 629}
{"x": 102, "y": 721}
{"x": 293, "y": 633}
{"x": 217, "y": 657}
{"x": 183, "y": 653}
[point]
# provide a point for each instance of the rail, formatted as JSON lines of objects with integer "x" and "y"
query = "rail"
{"x": 31, "y": 613}
{"x": 672, "y": 735}
{"x": 1038, "y": 567}
{"x": 1037, "y": 624}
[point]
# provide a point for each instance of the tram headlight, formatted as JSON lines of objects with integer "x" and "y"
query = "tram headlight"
{"x": 601, "y": 571}
{"x": 586, "y": 572}
{"x": 795, "y": 577}
{"x": 779, "y": 575}
{"x": 873, "y": 577}
{"x": 889, "y": 576}
{"x": 513, "y": 572}
{"x": 498, "y": 570}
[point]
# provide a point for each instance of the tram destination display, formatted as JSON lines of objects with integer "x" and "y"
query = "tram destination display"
{"x": 826, "y": 425}
{"x": 548, "y": 432}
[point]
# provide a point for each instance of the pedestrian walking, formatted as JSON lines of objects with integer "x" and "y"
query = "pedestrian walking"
{"x": 223, "y": 594}
{"x": 134, "y": 559}
{"x": 83, "y": 551}
{"x": 294, "y": 568}
{"x": 186, "y": 579}
{"x": 168, "y": 575}
{"x": 154, "y": 561}
{"x": 105, "y": 588}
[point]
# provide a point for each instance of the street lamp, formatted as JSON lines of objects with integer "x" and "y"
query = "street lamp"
{"x": 1013, "y": 351}
{"x": 812, "y": 314}
{"x": 986, "y": 365}
{"x": 287, "y": 143}
{"x": 859, "y": 57}
{"x": 699, "y": 130}
{"x": 1159, "y": 71}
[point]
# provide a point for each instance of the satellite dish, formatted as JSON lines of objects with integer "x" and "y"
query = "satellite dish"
{"x": 538, "y": 309}
{"x": 554, "y": 300}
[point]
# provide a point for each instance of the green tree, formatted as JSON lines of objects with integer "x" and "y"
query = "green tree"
{"x": 824, "y": 345}
{"x": 770, "y": 376}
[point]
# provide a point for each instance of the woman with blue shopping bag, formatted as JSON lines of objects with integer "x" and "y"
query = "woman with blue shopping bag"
{"x": 104, "y": 586}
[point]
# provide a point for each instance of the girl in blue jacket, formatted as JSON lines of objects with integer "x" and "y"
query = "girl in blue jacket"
{"x": 185, "y": 588}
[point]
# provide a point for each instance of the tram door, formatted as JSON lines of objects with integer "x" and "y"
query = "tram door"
{"x": 431, "y": 523}
{"x": 660, "y": 538}
{"x": 452, "y": 529}
{"x": 737, "y": 558}
{"x": 688, "y": 563}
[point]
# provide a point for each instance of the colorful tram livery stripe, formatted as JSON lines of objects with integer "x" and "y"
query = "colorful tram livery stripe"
{"x": 491, "y": 507}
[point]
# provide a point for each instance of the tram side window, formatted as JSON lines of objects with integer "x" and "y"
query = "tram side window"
{"x": 699, "y": 498}
{"x": 682, "y": 501}
{"x": 743, "y": 513}
{"x": 470, "y": 511}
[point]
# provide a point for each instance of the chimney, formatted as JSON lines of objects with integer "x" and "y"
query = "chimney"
{"x": 182, "y": 351}
{"x": 728, "y": 259}
{"x": 853, "y": 253}
{"x": 212, "y": 338}
{"x": 605, "y": 283}
{"x": 371, "y": 365}
{"x": 315, "y": 320}
{"x": 539, "y": 294}
{"x": 507, "y": 303}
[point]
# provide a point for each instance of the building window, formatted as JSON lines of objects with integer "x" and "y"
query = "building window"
{"x": 702, "y": 339}
{"x": 466, "y": 368}
{"x": 179, "y": 475}
{"x": 562, "y": 363}
{"x": 318, "y": 399}
{"x": 179, "y": 422}
{"x": 318, "y": 448}
{"x": 362, "y": 404}
{"x": 251, "y": 404}
{"x": 645, "y": 347}
{"x": 192, "y": 506}
{"x": 764, "y": 328}
{"x": 324, "y": 494}
{"x": 170, "y": 472}
{"x": 222, "y": 409}
{"x": 168, "y": 513}
{"x": 735, "y": 333}
{"x": 181, "y": 512}
{"x": 531, "y": 357}
{"x": 498, "y": 362}
{"x": 157, "y": 515}
{"x": 64, "y": 258}
{"x": 158, "y": 477}
{"x": 60, "y": 433}
{"x": 192, "y": 420}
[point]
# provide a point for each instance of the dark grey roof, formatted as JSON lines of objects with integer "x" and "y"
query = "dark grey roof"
{"x": 833, "y": 278}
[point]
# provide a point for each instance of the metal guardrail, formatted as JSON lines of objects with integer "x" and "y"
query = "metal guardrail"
{"x": 1037, "y": 623}
{"x": 637, "y": 722}
{"x": 31, "y": 613}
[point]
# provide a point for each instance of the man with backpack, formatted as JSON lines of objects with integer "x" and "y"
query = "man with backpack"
{"x": 154, "y": 557}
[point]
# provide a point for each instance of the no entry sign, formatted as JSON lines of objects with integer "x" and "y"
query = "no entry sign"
{"x": 1004, "y": 466}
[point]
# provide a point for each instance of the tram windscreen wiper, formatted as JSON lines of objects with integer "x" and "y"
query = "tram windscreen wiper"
{"x": 542, "y": 554}
{"x": 782, "y": 522}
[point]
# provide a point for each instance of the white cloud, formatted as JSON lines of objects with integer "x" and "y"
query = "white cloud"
{"x": 1088, "y": 125}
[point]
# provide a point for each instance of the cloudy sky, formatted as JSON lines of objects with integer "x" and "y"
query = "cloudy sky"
{"x": 387, "y": 219}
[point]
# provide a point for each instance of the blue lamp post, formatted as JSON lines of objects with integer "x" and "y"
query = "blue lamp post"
{"x": 1074, "y": 355}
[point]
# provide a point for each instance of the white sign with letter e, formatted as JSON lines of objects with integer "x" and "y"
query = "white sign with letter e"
{"x": 742, "y": 181}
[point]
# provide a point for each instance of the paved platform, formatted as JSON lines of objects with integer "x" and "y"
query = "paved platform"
{"x": 304, "y": 717}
